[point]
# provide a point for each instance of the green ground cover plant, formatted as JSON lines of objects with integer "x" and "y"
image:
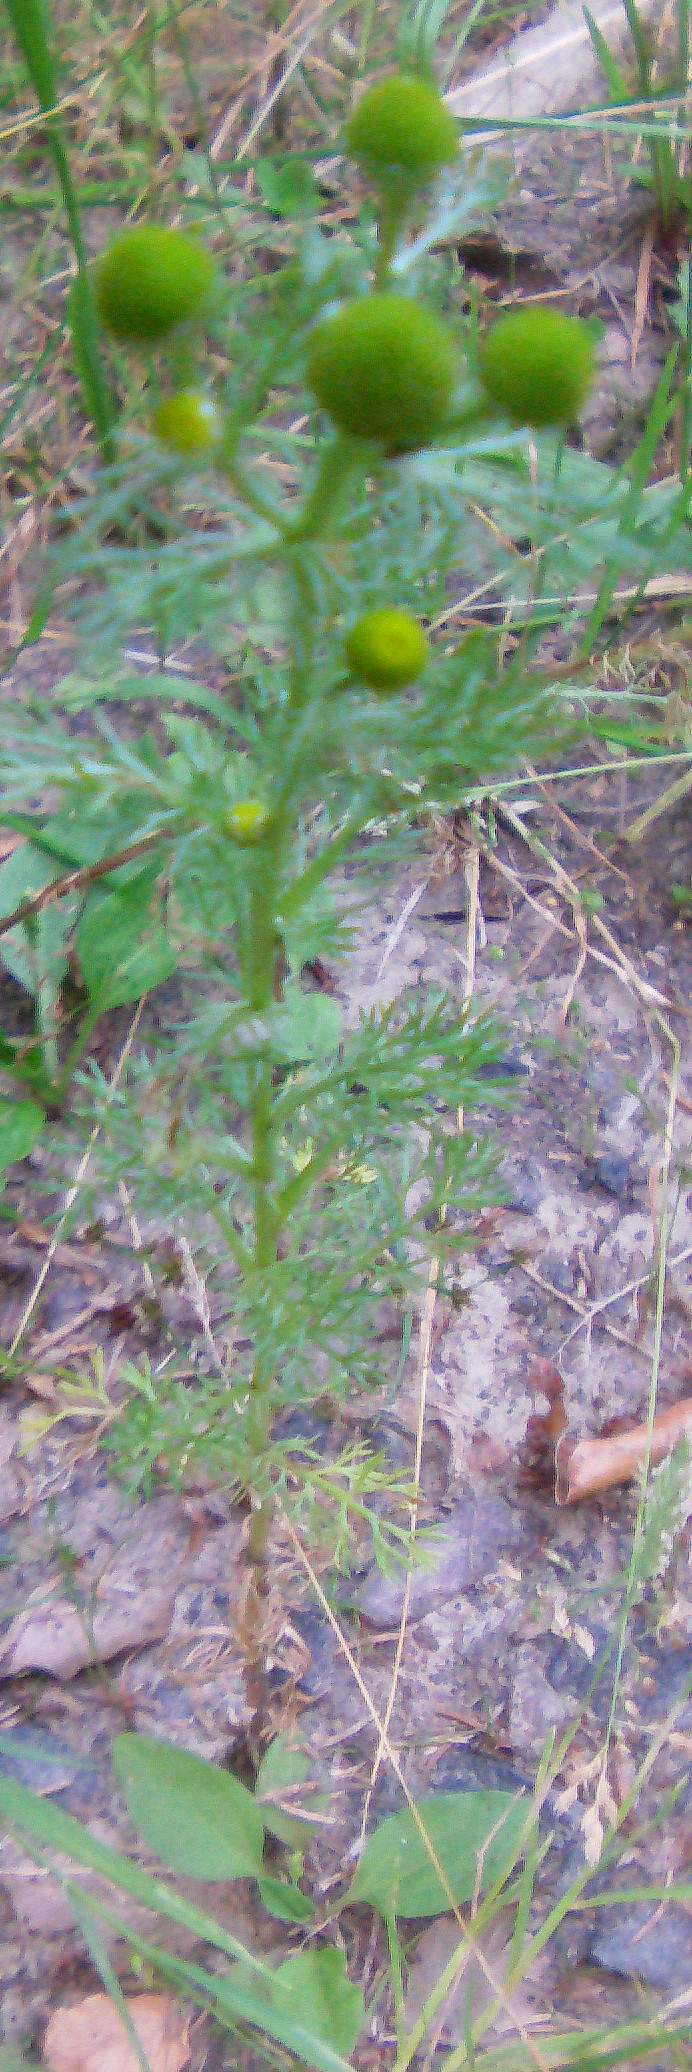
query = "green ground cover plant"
{"x": 474, "y": 1854}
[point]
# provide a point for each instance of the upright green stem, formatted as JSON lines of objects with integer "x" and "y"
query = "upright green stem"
{"x": 392, "y": 215}
{"x": 366, "y": 27}
{"x": 260, "y": 985}
{"x": 335, "y": 468}
{"x": 64, "y": 1075}
{"x": 150, "y": 31}
{"x": 28, "y": 18}
{"x": 247, "y": 488}
{"x": 262, "y": 951}
{"x": 265, "y": 1234}
{"x": 685, "y": 397}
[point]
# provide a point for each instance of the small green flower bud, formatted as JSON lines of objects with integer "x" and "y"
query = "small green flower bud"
{"x": 384, "y": 369}
{"x": 149, "y": 280}
{"x": 247, "y": 822}
{"x": 387, "y": 650}
{"x": 188, "y": 422}
{"x": 538, "y": 365}
{"x": 402, "y": 130}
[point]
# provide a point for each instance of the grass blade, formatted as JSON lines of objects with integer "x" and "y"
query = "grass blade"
{"x": 30, "y": 25}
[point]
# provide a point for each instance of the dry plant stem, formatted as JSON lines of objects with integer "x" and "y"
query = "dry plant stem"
{"x": 293, "y": 60}
{"x": 397, "y": 931}
{"x": 586, "y": 841}
{"x": 424, "y": 1358}
{"x": 596, "y": 1309}
{"x": 569, "y": 1899}
{"x": 73, "y": 881}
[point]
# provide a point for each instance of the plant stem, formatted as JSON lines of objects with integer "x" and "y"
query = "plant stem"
{"x": 247, "y": 489}
{"x": 261, "y": 967}
{"x": 393, "y": 210}
{"x": 685, "y": 398}
{"x": 64, "y": 1075}
{"x": 263, "y": 986}
{"x": 28, "y": 20}
{"x": 336, "y": 465}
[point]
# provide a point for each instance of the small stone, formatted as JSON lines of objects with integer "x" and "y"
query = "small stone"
{"x": 650, "y": 1943}
{"x": 524, "y": 1186}
{"x": 559, "y": 1272}
{"x": 131, "y": 1604}
{"x": 613, "y": 1172}
{"x": 535, "y": 1707}
{"x": 467, "y": 1549}
{"x": 38, "y": 1760}
{"x": 526, "y": 1302}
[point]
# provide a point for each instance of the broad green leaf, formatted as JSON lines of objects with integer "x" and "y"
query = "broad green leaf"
{"x": 282, "y": 1766}
{"x": 21, "y": 1123}
{"x": 24, "y": 871}
{"x": 469, "y": 1832}
{"x": 314, "y": 1987}
{"x": 281, "y": 1769}
{"x": 199, "y": 1820}
{"x": 307, "y": 1026}
{"x": 34, "y": 952}
{"x": 122, "y": 957}
{"x": 285, "y": 1902}
{"x": 54, "y": 1829}
{"x": 287, "y": 185}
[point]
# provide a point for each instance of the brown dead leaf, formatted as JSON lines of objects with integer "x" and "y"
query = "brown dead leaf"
{"x": 91, "y": 2036}
{"x": 580, "y": 1468}
{"x": 595, "y": 1464}
{"x": 545, "y": 1429}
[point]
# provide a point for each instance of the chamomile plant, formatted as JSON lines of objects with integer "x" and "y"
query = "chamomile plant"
{"x": 314, "y": 456}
